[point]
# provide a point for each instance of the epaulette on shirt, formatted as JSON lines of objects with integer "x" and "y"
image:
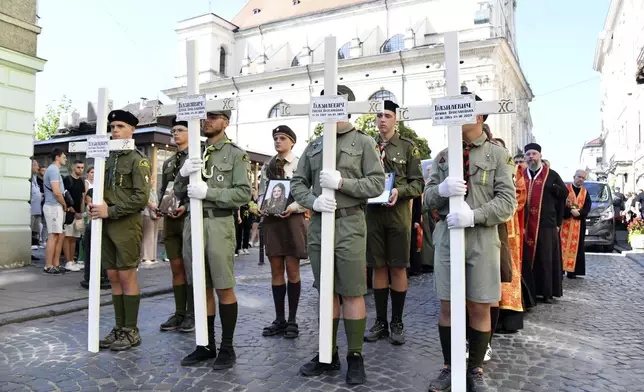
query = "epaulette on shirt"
{"x": 408, "y": 140}
{"x": 244, "y": 154}
{"x": 141, "y": 153}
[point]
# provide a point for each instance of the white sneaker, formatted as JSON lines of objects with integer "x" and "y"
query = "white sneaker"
{"x": 488, "y": 353}
{"x": 71, "y": 266}
{"x": 80, "y": 264}
{"x": 467, "y": 350}
{"x": 148, "y": 263}
{"x": 236, "y": 254}
{"x": 245, "y": 251}
{"x": 34, "y": 247}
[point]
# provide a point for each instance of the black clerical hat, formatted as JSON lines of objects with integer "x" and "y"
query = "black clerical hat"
{"x": 532, "y": 146}
{"x": 123, "y": 115}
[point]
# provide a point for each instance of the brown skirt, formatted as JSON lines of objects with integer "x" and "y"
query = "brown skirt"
{"x": 285, "y": 236}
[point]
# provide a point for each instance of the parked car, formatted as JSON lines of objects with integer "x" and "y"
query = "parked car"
{"x": 600, "y": 222}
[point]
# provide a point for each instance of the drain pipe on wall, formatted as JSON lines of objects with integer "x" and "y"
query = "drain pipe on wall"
{"x": 237, "y": 112}
{"x": 402, "y": 77}
{"x": 308, "y": 72}
{"x": 387, "y": 10}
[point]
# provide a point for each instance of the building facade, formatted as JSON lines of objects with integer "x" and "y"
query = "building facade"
{"x": 619, "y": 57}
{"x": 592, "y": 159}
{"x": 273, "y": 51}
{"x": 18, "y": 67}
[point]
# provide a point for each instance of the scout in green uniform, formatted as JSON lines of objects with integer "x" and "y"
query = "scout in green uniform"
{"x": 359, "y": 176}
{"x": 490, "y": 198}
{"x": 127, "y": 190}
{"x": 389, "y": 226}
{"x": 225, "y": 168}
{"x": 183, "y": 318}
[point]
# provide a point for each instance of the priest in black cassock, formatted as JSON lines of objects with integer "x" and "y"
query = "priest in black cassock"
{"x": 573, "y": 231}
{"x": 547, "y": 194}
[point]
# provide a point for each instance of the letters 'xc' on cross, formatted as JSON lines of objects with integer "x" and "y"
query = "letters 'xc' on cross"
{"x": 98, "y": 147}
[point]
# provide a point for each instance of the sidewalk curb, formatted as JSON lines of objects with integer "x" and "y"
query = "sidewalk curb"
{"x": 72, "y": 306}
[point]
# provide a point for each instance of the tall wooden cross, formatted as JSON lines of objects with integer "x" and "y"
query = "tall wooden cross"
{"x": 196, "y": 206}
{"x": 328, "y": 163}
{"x": 455, "y": 162}
{"x": 98, "y": 147}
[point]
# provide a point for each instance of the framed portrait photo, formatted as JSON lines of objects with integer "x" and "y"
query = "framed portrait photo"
{"x": 384, "y": 197}
{"x": 276, "y": 197}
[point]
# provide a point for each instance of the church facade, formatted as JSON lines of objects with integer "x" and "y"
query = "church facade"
{"x": 273, "y": 52}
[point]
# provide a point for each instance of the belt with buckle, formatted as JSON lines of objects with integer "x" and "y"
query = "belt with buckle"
{"x": 216, "y": 213}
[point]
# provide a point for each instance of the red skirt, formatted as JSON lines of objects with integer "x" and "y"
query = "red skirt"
{"x": 285, "y": 236}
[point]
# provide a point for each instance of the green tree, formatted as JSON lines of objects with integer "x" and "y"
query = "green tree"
{"x": 367, "y": 124}
{"x": 47, "y": 124}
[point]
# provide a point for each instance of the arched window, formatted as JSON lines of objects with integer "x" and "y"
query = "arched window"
{"x": 275, "y": 110}
{"x": 345, "y": 51}
{"x": 384, "y": 95}
{"x": 222, "y": 61}
{"x": 393, "y": 44}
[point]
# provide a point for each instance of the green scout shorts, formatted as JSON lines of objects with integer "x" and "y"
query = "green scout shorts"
{"x": 389, "y": 235}
{"x": 121, "y": 242}
{"x": 482, "y": 263}
{"x": 350, "y": 243}
{"x": 173, "y": 236}
{"x": 219, "y": 242}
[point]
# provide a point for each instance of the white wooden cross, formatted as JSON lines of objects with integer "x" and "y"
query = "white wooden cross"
{"x": 328, "y": 163}
{"x": 455, "y": 162}
{"x": 93, "y": 317}
{"x": 196, "y": 206}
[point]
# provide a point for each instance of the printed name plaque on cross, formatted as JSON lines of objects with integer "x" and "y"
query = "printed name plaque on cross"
{"x": 98, "y": 147}
{"x": 192, "y": 107}
{"x": 453, "y": 111}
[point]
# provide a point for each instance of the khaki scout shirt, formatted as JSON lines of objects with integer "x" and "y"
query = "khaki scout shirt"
{"x": 403, "y": 159}
{"x": 491, "y": 192}
{"x": 358, "y": 162}
{"x": 226, "y": 172}
{"x": 127, "y": 183}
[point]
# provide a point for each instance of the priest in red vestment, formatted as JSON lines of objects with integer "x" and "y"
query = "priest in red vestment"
{"x": 573, "y": 231}
{"x": 547, "y": 194}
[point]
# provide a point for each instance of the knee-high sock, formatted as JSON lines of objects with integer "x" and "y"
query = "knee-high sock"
{"x": 478, "y": 345}
{"x": 494, "y": 317}
{"x": 190, "y": 300}
{"x": 355, "y": 334}
{"x": 131, "y": 303}
{"x": 228, "y": 315}
{"x": 180, "y": 294}
{"x": 381, "y": 297}
{"x": 445, "y": 334}
{"x": 336, "y": 325}
{"x": 279, "y": 294}
{"x": 397, "y": 304}
{"x": 211, "y": 331}
{"x": 294, "y": 290}
{"x": 119, "y": 309}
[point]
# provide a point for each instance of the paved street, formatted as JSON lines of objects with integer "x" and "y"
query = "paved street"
{"x": 590, "y": 341}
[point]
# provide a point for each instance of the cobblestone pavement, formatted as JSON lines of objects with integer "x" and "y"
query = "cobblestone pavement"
{"x": 591, "y": 340}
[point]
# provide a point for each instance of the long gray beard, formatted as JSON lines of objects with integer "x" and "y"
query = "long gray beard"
{"x": 534, "y": 167}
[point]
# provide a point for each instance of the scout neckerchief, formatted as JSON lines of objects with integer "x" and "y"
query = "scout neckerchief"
{"x": 536, "y": 187}
{"x": 383, "y": 155}
{"x": 466, "y": 165}
{"x": 571, "y": 228}
{"x": 206, "y": 155}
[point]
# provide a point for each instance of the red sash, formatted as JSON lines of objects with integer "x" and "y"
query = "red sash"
{"x": 570, "y": 230}
{"x": 535, "y": 196}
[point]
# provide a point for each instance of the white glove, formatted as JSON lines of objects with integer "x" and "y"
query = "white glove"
{"x": 461, "y": 219}
{"x": 198, "y": 190}
{"x": 452, "y": 186}
{"x": 330, "y": 179}
{"x": 191, "y": 165}
{"x": 324, "y": 204}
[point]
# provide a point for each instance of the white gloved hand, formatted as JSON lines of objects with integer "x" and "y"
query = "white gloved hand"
{"x": 330, "y": 179}
{"x": 324, "y": 204}
{"x": 191, "y": 165}
{"x": 452, "y": 186}
{"x": 461, "y": 219}
{"x": 198, "y": 190}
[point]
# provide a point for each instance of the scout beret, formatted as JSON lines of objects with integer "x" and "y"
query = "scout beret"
{"x": 532, "y": 146}
{"x": 285, "y": 130}
{"x": 391, "y": 106}
{"x": 225, "y": 113}
{"x": 124, "y": 116}
{"x": 182, "y": 123}
{"x": 476, "y": 97}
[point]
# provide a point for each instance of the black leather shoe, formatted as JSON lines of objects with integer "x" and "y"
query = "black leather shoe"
{"x": 315, "y": 368}
{"x": 226, "y": 359}
{"x": 355, "y": 369}
{"x": 202, "y": 353}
